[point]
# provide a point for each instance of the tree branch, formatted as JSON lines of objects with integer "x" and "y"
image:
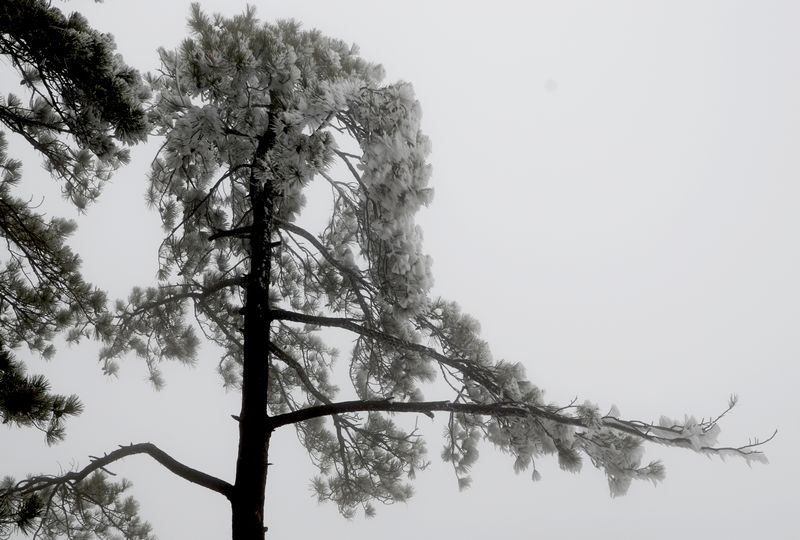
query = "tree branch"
{"x": 423, "y": 407}
{"x": 463, "y": 365}
{"x": 353, "y": 170}
{"x": 503, "y": 409}
{"x": 351, "y": 272}
{"x": 205, "y": 293}
{"x": 207, "y": 196}
{"x": 238, "y": 231}
{"x": 300, "y": 371}
{"x": 200, "y": 478}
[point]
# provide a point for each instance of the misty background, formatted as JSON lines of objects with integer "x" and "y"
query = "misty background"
{"x": 616, "y": 201}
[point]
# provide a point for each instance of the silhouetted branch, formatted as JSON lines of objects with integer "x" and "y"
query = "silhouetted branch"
{"x": 424, "y": 407}
{"x": 200, "y": 478}
{"x": 239, "y": 231}
{"x": 511, "y": 409}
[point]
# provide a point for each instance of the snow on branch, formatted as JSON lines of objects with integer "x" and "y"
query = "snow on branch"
{"x": 527, "y": 429}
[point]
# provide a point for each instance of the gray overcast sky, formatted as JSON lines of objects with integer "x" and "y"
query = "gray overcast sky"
{"x": 616, "y": 200}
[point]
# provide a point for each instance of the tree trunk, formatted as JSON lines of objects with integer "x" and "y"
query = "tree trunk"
{"x": 247, "y": 503}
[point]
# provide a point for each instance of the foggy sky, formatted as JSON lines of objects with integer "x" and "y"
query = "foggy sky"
{"x": 616, "y": 201}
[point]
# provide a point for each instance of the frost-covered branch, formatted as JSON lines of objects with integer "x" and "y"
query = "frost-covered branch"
{"x": 477, "y": 372}
{"x": 300, "y": 372}
{"x": 689, "y": 434}
{"x": 322, "y": 250}
{"x": 527, "y": 430}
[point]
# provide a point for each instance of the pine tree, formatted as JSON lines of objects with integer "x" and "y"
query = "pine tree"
{"x": 80, "y": 107}
{"x": 251, "y": 114}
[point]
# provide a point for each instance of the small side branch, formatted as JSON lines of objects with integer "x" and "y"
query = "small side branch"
{"x": 292, "y": 228}
{"x": 300, "y": 371}
{"x": 199, "y": 296}
{"x": 475, "y": 371}
{"x": 238, "y": 231}
{"x": 200, "y": 478}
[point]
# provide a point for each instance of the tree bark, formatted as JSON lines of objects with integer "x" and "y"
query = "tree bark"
{"x": 247, "y": 503}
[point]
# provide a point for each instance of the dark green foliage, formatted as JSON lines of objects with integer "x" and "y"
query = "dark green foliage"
{"x": 41, "y": 289}
{"x": 17, "y": 511}
{"x": 25, "y": 400}
{"x": 48, "y": 507}
{"x": 82, "y": 100}
{"x": 80, "y": 104}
